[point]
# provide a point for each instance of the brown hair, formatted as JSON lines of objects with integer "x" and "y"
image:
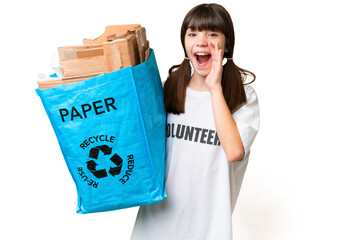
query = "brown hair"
{"x": 211, "y": 17}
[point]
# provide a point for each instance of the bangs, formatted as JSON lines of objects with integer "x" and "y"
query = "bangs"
{"x": 206, "y": 19}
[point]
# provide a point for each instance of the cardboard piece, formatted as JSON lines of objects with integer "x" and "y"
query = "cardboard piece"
{"x": 68, "y": 53}
{"x": 147, "y": 54}
{"x": 49, "y": 83}
{"x": 121, "y": 53}
{"x": 112, "y": 57}
{"x": 110, "y": 32}
{"x": 118, "y": 47}
{"x": 83, "y": 66}
{"x": 92, "y": 52}
{"x": 142, "y": 43}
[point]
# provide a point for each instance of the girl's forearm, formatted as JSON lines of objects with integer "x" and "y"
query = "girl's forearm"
{"x": 226, "y": 127}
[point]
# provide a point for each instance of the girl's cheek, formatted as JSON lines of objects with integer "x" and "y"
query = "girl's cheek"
{"x": 211, "y": 45}
{"x": 214, "y": 44}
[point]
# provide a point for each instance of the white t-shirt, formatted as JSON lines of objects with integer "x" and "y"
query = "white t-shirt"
{"x": 201, "y": 184}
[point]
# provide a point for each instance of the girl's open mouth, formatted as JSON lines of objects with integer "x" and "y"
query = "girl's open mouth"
{"x": 202, "y": 58}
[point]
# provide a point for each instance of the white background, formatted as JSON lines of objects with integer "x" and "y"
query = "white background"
{"x": 303, "y": 177}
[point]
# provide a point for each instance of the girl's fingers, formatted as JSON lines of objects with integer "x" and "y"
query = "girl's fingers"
{"x": 219, "y": 54}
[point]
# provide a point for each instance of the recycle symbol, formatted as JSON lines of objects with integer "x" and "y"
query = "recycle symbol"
{"x": 106, "y": 150}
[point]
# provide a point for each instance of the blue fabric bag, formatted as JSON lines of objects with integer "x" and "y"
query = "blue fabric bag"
{"x": 111, "y": 131}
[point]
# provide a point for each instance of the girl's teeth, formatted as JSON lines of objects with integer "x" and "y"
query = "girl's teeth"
{"x": 202, "y": 54}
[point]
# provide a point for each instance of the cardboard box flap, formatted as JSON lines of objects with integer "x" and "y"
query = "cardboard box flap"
{"x": 71, "y": 52}
{"x": 111, "y": 32}
{"x": 122, "y": 52}
{"x": 83, "y": 66}
{"x": 142, "y": 42}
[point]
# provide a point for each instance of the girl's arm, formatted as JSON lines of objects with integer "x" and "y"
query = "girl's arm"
{"x": 225, "y": 125}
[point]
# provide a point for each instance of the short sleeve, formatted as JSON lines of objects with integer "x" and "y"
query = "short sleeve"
{"x": 247, "y": 119}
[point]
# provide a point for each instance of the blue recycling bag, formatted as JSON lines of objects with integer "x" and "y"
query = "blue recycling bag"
{"x": 111, "y": 131}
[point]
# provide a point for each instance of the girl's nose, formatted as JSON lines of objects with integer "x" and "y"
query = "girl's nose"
{"x": 201, "y": 41}
{"x": 202, "y": 44}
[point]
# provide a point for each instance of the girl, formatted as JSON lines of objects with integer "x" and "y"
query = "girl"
{"x": 212, "y": 121}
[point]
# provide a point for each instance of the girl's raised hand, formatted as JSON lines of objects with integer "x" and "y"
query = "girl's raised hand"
{"x": 213, "y": 80}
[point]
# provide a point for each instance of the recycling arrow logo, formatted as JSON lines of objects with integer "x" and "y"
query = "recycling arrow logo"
{"x": 94, "y": 155}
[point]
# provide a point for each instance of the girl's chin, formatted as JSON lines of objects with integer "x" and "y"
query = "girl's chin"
{"x": 202, "y": 73}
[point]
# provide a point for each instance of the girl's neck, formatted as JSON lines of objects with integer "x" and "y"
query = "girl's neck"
{"x": 198, "y": 83}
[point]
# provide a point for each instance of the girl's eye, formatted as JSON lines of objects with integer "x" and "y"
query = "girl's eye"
{"x": 192, "y": 34}
{"x": 212, "y": 35}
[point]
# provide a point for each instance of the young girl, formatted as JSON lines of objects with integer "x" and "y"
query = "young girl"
{"x": 212, "y": 122}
